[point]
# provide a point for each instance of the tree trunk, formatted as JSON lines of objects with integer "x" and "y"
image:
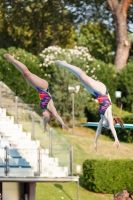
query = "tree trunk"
{"x": 119, "y": 12}
{"x": 123, "y": 43}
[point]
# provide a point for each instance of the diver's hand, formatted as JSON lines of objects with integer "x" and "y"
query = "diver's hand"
{"x": 64, "y": 126}
{"x": 45, "y": 130}
{"x": 117, "y": 144}
{"x": 95, "y": 146}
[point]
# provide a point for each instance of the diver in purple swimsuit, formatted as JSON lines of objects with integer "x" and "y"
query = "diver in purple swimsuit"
{"x": 45, "y": 97}
{"x": 41, "y": 85}
{"x": 100, "y": 91}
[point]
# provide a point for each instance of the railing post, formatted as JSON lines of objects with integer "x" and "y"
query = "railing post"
{"x": 39, "y": 161}
{"x": 78, "y": 195}
{"x": 16, "y": 109}
{"x": 33, "y": 130}
{"x": 71, "y": 161}
{"x": 73, "y": 122}
{"x": 0, "y": 94}
{"x": 50, "y": 142}
{"x": 6, "y": 163}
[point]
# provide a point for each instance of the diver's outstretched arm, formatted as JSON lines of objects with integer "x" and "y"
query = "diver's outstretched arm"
{"x": 98, "y": 131}
{"x": 52, "y": 108}
{"x": 108, "y": 115}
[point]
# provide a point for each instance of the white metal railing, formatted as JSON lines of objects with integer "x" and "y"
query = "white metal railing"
{"x": 32, "y": 122}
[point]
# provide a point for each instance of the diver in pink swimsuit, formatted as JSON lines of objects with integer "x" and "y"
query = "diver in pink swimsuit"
{"x": 99, "y": 90}
{"x": 41, "y": 85}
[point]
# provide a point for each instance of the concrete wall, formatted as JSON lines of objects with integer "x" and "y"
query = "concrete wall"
{"x": 12, "y": 190}
{"x": 18, "y": 191}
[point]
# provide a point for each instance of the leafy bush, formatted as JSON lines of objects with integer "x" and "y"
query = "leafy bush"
{"x": 125, "y": 84}
{"x": 99, "y": 40}
{"x": 108, "y": 176}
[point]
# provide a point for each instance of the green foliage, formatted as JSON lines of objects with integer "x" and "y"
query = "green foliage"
{"x": 125, "y": 84}
{"x": 41, "y": 23}
{"x": 98, "y": 39}
{"x": 108, "y": 176}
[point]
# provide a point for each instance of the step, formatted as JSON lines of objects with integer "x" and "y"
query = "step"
{"x": 7, "y": 118}
{"x": 17, "y": 135}
{"x": 2, "y": 112}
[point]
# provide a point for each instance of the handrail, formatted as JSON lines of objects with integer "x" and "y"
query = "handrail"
{"x": 32, "y": 122}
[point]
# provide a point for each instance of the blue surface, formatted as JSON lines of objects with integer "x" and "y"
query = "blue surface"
{"x": 95, "y": 124}
{"x": 12, "y": 163}
{"x": 14, "y": 153}
{"x": 23, "y": 163}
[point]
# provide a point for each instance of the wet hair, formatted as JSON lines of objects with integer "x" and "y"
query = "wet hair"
{"x": 51, "y": 114}
{"x": 129, "y": 192}
{"x": 119, "y": 194}
{"x": 119, "y": 121}
{"x": 115, "y": 195}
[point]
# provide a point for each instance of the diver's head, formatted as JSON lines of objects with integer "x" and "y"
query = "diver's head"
{"x": 105, "y": 123}
{"x": 116, "y": 120}
{"x": 47, "y": 115}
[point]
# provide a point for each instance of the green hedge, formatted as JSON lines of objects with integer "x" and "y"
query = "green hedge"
{"x": 108, "y": 176}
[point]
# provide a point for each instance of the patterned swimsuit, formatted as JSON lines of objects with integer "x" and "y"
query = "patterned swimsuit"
{"x": 103, "y": 101}
{"x": 45, "y": 97}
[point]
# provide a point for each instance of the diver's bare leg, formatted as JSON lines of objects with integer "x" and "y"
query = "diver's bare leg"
{"x": 31, "y": 78}
{"x": 90, "y": 84}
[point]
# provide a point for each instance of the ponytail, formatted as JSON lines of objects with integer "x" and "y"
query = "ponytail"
{"x": 119, "y": 121}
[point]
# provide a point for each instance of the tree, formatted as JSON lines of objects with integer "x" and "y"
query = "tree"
{"x": 99, "y": 11}
{"x": 125, "y": 85}
{"x": 119, "y": 11}
{"x": 35, "y": 25}
{"x": 99, "y": 40}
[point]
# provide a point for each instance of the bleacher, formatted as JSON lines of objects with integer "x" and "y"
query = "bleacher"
{"x": 23, "y": 152}
{"x": 26, "y": 155}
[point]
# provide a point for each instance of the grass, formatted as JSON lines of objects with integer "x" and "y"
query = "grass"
{"x": 66, "y": 191}
{"x": 82, "y": 143}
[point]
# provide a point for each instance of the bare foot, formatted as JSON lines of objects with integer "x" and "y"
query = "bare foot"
{"x": 60, "y": 62}
{"x": 9, "y": 57}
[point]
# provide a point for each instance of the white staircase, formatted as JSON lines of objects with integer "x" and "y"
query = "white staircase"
{"x": 12, "y": 136}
